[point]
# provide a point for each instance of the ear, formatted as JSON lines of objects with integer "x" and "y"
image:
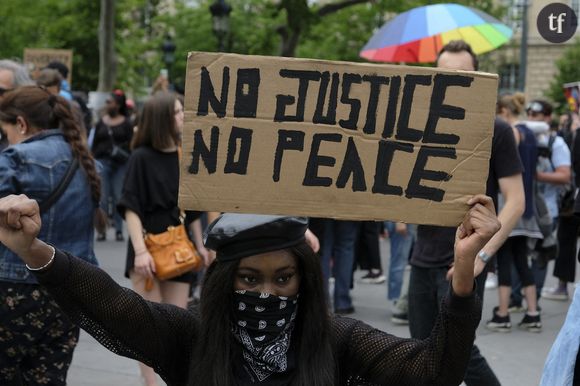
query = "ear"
{"x": 22, "y": 125}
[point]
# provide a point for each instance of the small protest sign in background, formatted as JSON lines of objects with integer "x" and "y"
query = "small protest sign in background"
{"x": 334, "y": 139}
{"x": 40, "y": 57}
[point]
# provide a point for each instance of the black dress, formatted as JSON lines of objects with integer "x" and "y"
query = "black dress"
{"x": 150, "y": 190}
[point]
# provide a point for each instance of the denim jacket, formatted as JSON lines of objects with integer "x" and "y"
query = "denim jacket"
{"x": 35, "y": 167}
{"x": 559, "y": 367}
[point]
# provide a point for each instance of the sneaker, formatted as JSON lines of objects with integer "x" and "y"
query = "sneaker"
{"x": 373, "y": 278}
{"x": 401, "y": 319}
{"x": 102, "y": 237}
{"x": 531, "y": 323}
{"x": 499, "y": 323}
{"x": 555, "y": 293}
{"x": 119, "y": 236}
{"x": 491, "y": 281}
{"x": 516, "y": 308}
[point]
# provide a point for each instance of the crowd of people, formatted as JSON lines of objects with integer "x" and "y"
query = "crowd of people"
{"x": 268, "y": 281}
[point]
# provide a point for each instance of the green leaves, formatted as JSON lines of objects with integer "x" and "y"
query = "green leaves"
{"x": 568, "y": 71}
{"x": 257, "y": 27}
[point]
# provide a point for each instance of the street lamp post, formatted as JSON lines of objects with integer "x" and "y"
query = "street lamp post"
{"x": 523, "y": 48}
{"x": 220, "y": 12}
{"x": 168, "y": 48}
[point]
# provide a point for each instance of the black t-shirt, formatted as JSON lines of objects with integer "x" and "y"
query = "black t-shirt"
{"x": 434, "y": 245}
{"x": 103, "y": 143}
{"x": 150, "y": 190}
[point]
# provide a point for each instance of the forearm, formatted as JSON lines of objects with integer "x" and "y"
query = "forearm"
{"x": 117, "y": 317}
{"x": 38, "y": 255}
{"x": 197, "y": 233}
{"x": 456, "y": 325}
{"x": 557, "y": 177}
{"x": 440, "y": 359}
{"x": 135, "y": 229}
{"x": 508, "y": 217}
{"x": 463, "y": 276}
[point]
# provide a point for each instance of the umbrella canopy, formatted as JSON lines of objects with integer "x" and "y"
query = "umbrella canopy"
{"x": 417, "y": 35}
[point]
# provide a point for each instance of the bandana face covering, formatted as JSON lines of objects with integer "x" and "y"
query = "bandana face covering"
{"x": 263, "y": 325}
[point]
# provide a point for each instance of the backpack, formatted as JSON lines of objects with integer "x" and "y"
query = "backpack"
{"x": 528, "y": 152}
{"x": 536, "y": 206}
{"x": 567, "y": 194}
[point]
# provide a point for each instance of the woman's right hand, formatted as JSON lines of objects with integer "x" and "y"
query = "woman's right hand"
{"x": 144, "y": 264}
{"x": 19, "y": 223}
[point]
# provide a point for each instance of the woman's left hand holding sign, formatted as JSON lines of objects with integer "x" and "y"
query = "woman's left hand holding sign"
{"x": 478, "y": 227}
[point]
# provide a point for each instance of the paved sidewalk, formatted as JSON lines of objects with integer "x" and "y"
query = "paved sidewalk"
{"x": 517, "y": 357}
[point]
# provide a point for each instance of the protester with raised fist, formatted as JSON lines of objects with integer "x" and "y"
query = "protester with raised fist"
{"x": 263, "y": 316}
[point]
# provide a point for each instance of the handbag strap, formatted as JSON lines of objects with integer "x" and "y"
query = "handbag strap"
{"x": 48, "y": 202}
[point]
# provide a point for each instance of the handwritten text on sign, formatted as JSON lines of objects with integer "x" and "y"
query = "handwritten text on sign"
{"x": 333, "y": 139}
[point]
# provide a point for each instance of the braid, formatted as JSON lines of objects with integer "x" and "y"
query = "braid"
{"x": 72, "y": 134}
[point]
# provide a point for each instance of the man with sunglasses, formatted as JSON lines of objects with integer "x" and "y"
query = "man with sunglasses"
{"x": 12, "y": 75}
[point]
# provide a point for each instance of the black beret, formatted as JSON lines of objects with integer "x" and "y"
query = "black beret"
{"x": 234, "y": 236}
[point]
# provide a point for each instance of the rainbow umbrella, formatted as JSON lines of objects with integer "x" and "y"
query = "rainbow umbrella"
{"x": 416, "y": 36}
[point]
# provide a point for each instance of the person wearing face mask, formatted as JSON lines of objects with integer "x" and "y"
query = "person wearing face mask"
{"x": 113, "y": 133}
{"x": 149, "y": 201}
{"x": 262, "y": 317}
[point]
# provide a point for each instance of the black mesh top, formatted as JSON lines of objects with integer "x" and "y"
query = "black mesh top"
{"x": 163, "y": 336}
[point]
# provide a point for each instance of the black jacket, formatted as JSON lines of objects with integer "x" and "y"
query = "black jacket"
{"x": 163, "y": 336}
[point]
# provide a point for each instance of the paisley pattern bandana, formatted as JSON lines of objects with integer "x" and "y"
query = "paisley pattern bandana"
{"x": 263, "y": 325}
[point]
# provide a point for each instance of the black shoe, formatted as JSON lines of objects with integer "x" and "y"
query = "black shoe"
{"x": 531, "y": 323}
{"x": 373, "y": 278}
{"x": 516, "y": 307}
{"x": 499, "y": 323}
{"x": 344, "y": 311}
{"x": 102, "y": 237}
{"x": 119, "y": 236}
{"x": 401, "y": 319}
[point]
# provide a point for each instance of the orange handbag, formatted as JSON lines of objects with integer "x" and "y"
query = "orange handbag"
{"x": 174, "y": 254}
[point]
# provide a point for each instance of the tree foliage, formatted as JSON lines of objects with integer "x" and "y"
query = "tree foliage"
{"x": 335, "y": 29}
{"x": 568, "y": 71}
{"x": 68, "y": 24}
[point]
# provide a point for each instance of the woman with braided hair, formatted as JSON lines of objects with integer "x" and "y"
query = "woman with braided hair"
{"x": 46, "y": 145}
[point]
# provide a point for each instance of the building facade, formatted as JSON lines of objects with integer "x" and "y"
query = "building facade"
{"x": 541, "y": 54}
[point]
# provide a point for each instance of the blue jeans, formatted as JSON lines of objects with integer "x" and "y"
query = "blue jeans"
{"x": 427, "y": 287}
{"x": 338, "y": 243}
{"x": 400, "y": 250}
{"x": 112, "y": 178}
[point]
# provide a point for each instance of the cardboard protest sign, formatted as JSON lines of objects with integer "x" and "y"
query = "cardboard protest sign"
{"x": 40, "y": 57}
{"x": 333, "y": 139}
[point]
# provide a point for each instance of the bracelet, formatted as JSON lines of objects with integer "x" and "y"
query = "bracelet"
{"x": 45, "y": 265}
{"x": 483, "y": 256}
